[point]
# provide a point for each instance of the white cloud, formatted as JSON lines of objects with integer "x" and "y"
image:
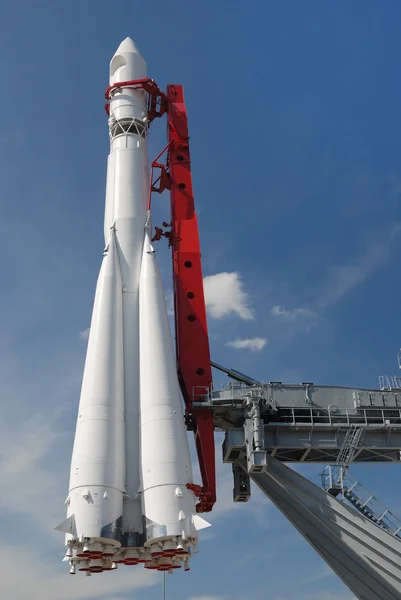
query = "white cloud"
{"x": 34, "y": 475}
{"x": 206, "y": 598}
{"x": 244, "y": 559}
{"x": 84, "y": 335}
{"x": 225, "y": 295}
{"x": 342, "y": 279}
{"x": 252, "y": 344}
{"x": 320, "y": 595}
{"x": 13, "y": 140}
{"x": 39, "y": 575}
{"x": 35, "y": 451}
{"x": 31, "y": 487}
{"x": 291, "y": 314}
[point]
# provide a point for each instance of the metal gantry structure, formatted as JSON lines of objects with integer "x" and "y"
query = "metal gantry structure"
{"x": 392, "y": 382}
{"x": 269, "y": 424}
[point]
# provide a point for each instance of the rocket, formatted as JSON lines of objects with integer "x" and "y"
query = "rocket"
{"x": 128, "y": 500}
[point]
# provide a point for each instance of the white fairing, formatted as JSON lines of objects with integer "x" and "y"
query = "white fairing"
{"x": 98, "y": 461}
{"x": 126, "y": 203}
{"x": 167, "y": 504}
{"x": 126, "y": 65}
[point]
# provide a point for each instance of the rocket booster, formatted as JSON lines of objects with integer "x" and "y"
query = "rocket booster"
{"x": 128, "y": 500}
{"x": 168, "y": 506}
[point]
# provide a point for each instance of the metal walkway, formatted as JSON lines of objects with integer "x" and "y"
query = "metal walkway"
{"x": 306, "y": 422}
{"x": 342, "y": 485}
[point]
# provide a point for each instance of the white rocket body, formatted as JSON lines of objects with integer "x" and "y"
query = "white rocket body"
{"x": 128, "y": 501}
{"x": 126, "y": 203}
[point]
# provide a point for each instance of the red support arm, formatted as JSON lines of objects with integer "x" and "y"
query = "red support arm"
{"x": 192, "y": 341}
{"x": 157, "y": 101}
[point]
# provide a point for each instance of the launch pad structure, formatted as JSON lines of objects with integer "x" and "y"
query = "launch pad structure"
{"x": 130, "y": 514}
{"x": 268, "y": 425}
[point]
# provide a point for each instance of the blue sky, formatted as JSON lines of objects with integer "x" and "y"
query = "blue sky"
{"x": 296, "y": 148}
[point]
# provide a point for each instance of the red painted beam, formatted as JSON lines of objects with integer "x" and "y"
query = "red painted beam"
{"x": 192, "y": 341}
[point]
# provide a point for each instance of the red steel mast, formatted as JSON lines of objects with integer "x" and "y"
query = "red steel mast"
{"x": 192, "y": 340}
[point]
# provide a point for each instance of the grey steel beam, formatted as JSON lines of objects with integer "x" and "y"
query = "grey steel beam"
{"x": 298, "y": 404}
{"x": 306, "y": 394}
{"x": 364, "y": 556}
{"x": 290, "y": 444}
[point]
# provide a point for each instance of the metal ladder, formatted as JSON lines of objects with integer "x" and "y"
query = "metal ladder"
{"x": 332, "y": 476}
{"x": 349, "y": 446}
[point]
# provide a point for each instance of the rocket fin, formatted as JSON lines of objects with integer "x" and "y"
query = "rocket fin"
{"x": 200, "y": 523}
{"x": 67, "y": 526}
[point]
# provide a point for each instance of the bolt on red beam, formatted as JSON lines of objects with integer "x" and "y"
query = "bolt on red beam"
{"x": 192, "y": 340}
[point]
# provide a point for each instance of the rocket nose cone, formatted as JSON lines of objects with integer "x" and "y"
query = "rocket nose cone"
{"x": 126, "y": 46}
{"x": 127, "y": 63}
